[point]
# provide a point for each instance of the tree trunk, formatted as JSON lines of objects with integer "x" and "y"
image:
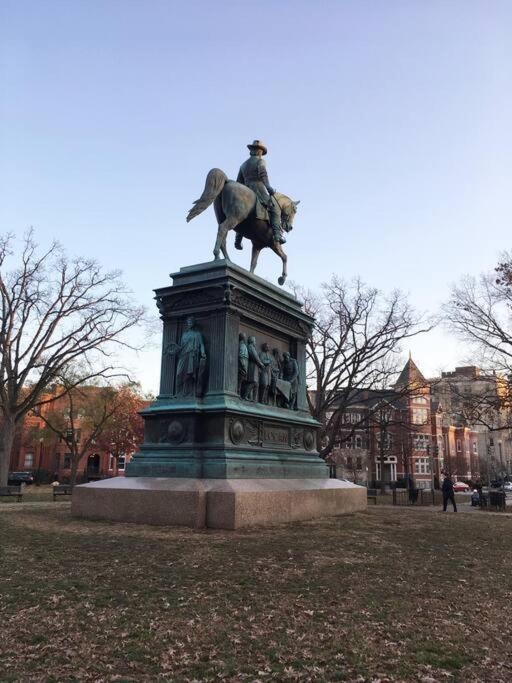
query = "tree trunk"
{"x": 74, "y": 469}
{"x": 6, "y": 443}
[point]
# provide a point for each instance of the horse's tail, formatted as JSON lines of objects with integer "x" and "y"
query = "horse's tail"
{"x": 215, "y": 181}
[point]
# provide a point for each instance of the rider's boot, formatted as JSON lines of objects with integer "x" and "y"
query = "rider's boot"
{"x": 274, "y": 214}
{"x": 238, "y": 241}
{"x": 278, "y": 234}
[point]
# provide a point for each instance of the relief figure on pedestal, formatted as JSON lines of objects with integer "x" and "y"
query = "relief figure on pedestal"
{"x": 191, "y": 366}
{"x": 275, "y": 374}
{"x": 291, "y": 375}
{"x": 266, "y": 359}
{"x": 253, "y": 374}
{"x": 243, "y": 362}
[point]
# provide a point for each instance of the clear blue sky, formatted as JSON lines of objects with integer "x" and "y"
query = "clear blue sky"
{"x": 390, "y": 121}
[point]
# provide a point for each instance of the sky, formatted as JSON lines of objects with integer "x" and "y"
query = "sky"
{"x": 390, "y": 121}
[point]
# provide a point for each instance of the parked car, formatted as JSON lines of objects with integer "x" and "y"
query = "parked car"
{"x": 507, "y": 486}
{"x": 16, "y": 478}
{"x": 460, "y": 487}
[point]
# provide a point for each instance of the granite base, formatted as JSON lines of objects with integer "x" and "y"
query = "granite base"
{"x": 215, "y": 503}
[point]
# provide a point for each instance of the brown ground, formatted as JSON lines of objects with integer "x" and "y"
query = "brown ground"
{"x": 391, "y": 594}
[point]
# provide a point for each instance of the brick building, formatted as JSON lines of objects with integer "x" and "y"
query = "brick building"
{"x": 44, "y": 454}
{"x": 474, "y": 400}
{"x": 403, "y": 434}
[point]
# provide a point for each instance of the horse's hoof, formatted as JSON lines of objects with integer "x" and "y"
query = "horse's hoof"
{"x": 281, "y": 280}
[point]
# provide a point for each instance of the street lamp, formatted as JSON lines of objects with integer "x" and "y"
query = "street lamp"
{"x": 431, "y": 464}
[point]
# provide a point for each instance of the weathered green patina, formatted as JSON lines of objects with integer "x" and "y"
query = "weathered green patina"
{"x": 215, "y": 432}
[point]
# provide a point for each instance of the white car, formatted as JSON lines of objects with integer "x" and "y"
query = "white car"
{"x": 507, "y": 486}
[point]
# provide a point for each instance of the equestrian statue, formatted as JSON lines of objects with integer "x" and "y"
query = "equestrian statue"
{"x": 250, "y": 206}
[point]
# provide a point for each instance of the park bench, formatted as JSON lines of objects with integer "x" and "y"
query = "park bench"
{"x": 9, "y": 491}
{"x": 371, "y": 494}
{"x": 62, "y": 490}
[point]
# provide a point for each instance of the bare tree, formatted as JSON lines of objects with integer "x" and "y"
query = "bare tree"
{"x": 124, "y": 431}
{"x": 480, "y": 311}
{"x": 79, "y": 418}
{"x": 55, "y": 312}
{"x": 355, "y": 345}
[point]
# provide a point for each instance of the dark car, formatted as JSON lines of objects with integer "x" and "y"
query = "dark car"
{"x": 17, "y": 478}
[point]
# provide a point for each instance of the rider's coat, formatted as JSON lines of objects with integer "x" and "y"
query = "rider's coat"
{"x": 253, "y": 174}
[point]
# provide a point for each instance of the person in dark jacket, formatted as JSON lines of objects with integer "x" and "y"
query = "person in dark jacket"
{"x": 448, "y": 493}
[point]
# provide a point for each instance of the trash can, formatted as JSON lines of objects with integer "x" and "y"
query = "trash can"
{"x": 497, "y": 499}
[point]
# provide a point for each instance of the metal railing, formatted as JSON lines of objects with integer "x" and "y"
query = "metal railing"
{"x": 419, "y": 497}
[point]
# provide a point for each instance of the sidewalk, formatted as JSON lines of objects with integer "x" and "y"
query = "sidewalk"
{"x": 465, "y": 508}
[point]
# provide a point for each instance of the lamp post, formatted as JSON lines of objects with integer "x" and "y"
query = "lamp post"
{"x": 431, "y": 465}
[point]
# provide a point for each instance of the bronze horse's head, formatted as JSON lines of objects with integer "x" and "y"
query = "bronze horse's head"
{"x": 288, "y": 211}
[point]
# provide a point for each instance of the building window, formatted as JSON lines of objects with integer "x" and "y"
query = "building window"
{"x": 388, "y": 442}
{"x": 474, "y": 447}
{"x": 67, "y": 461}
{"x": 422, "y": 466}
{"x": 359, "y": 441}
{"x": 121, "y": 463}
{"x": 459, "y": 446}
{"x": 349, "y": 461}
{"x": 359, "y": 463}
{"x": 111, "y": 461}
{"x": 29, "y": 460}
{"x": 421, "y": 442}
{"x": 419, "y": 399}
{"x": 419, "y": 416}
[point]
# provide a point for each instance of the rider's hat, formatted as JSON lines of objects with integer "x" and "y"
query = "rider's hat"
{"x": 258, "y": 144}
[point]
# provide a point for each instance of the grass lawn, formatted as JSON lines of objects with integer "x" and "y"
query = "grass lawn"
{"x": 390, "y": 594}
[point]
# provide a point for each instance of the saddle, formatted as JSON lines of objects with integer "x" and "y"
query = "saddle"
{"x": 261, "y": 211}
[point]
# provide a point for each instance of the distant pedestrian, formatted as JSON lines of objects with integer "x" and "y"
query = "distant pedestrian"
{"x": 448, "y": 493}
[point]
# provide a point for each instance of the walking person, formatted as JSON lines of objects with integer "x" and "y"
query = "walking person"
{"x": 448, "y": 494}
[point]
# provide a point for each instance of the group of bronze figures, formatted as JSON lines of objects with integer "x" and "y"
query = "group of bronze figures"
{"x": 266, "y": 376}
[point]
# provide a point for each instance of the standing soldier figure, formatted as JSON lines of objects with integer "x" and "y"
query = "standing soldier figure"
{"x": 291, "y": 374}
{"x": 266, "y": 372}
{"x": 243, "y": 362}
{"x": 253, "y": 174}
{"x": 253, "y": 371}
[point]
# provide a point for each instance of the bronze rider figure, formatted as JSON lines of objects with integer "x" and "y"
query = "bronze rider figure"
{"x": 253, "y": 174}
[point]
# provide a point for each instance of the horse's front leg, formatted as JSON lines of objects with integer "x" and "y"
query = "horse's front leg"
{"x": 278, "y": 249}
{"x": 254, "y": 258}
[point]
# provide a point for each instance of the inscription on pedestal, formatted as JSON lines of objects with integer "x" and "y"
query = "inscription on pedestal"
{"x": 277, "y": 436}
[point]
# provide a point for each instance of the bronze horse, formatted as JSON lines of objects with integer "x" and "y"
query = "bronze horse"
{"x": 234, "y": 206}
